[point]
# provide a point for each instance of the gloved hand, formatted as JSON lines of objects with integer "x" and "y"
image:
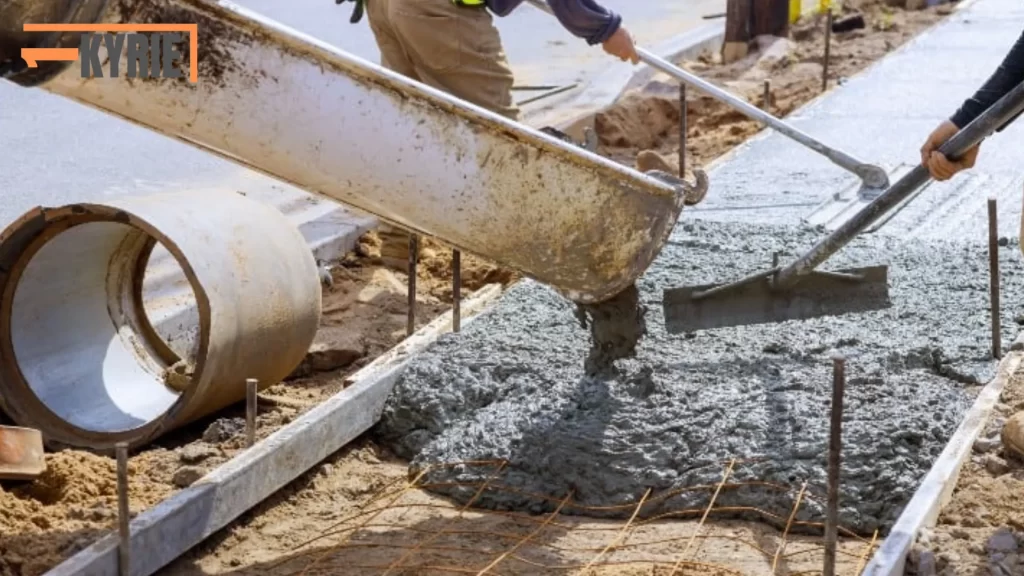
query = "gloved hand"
{"x": 357, "y": 12}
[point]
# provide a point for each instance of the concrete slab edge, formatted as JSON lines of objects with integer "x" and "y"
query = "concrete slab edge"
{"x": 172, "y": 527}
{"x": 937, "y": 487}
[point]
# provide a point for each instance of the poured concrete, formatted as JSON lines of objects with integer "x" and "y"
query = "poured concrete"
{"x": 515, "y": 386}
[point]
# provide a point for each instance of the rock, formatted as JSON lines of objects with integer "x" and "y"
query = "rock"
{"x": 983, "y": 445}
{"x": 196, "y": 453}
{"x": 949, "y": 557}
{"x": 996, "y": 465}
{"x": 1012, "y": 436}
{"x": 334, "y": 348}
{"x": 1003, "y": 540}
{"x": 925, "y": 538}
{"x": 927, "y": 563}
{"x": 223, "y": 430}
{"x": 187, "y": 476}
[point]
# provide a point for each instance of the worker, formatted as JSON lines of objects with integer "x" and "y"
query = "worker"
{"x": 453, "y": 45}
{"x": 1009, "y": 74}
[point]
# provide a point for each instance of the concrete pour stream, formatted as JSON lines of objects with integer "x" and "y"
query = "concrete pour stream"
{"x": 514, "y": 385}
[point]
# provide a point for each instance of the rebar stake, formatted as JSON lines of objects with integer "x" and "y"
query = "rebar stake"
{"x": 414, "y": 245}
{"x": 456, "y": 290}
{"x": 682, "y": 130}
{"x": 828, "y": 50}
{"x": 834, "y": 447}
{"x": 123, "y": 511}
{"x": 768, "y": 96}
{"x": 993, "y": 278}
{"x": 251, "y": 385}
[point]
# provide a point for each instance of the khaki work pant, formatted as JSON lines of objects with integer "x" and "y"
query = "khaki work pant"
{"x": 456, "y": 49}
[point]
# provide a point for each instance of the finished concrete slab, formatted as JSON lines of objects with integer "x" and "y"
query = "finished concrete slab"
{"x": 518, "y": 387}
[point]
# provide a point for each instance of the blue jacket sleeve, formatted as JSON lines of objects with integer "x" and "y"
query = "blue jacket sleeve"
{"x": 586, "y": 19}
{"x": 1009, "y": 74}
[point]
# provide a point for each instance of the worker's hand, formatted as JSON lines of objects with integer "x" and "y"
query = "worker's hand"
{"x": 940, "y": 167}
{"x": 620, "y": 45}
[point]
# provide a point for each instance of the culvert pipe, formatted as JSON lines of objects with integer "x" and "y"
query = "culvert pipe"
{"x": 306, "y": 113}
{"x": 79, "y": 357}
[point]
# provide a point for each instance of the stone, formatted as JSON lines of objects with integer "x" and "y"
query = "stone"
{"x": 187, "y": 476}
{"x": 996, "y": 465}
{"x": 983, "y": 445}
{"x": 1012, "y": 436}
{"x": 223, "y": 430}
{"x": 959, "y": 533}
{"x": 1003, "y": 540}
{"x": 927, "y": 564}
{"x": 196, "y": 453}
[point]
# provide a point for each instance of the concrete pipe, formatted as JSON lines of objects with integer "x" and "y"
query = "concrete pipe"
{"x": 79, "y": 356}
{"x": 309, "y": 114}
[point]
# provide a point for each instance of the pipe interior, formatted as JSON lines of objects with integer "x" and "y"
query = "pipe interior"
{"x": 78, "y": 353}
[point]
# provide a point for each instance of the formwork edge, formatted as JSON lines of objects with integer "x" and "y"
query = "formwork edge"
{"x": 937, "y": 487}
{"x": 173, "y": 526}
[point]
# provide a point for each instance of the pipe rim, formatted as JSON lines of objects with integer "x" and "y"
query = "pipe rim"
{"x": 27, "y": 407}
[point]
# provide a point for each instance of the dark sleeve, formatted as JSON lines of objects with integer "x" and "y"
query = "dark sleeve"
{"x": 586, "y": 19}
{"x": 1009, "y": 74}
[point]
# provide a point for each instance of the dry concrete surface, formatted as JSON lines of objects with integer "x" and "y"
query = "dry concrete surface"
{"x": 46, "y": 521}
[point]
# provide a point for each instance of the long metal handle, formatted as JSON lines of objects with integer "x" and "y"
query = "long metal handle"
{"x": 872, "y": 176}
{"x": 982, "y": 127}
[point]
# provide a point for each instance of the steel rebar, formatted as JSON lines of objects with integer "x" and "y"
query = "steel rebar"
{"x": 456, "y": 290}
{"x": 251, "y": 388}
{"x": 993, "y": 278}
{"x": 414, "y": 242}
{"x": 123, "y": 511}
{"x": 834, "y": 447}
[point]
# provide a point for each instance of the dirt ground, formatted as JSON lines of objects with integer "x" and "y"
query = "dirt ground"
{"x": 46, "y": 521}
{"x": 980, "y": 530}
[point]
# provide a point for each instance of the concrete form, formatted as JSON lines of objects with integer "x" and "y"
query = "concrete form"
{"x": 169, "y": 529}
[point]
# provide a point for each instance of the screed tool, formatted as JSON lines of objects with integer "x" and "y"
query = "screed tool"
{"x": 798, "y": 291}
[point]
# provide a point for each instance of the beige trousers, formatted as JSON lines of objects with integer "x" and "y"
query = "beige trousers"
{"x": 456, "y": 49}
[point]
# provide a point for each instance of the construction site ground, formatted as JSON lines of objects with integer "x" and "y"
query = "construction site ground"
{"x": 73, "y": 504}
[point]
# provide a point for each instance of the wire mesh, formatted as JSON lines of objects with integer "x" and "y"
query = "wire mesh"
{"x": 406, "y": 530}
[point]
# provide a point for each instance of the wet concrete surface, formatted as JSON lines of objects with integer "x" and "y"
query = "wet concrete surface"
{"x": 517, "y": 383}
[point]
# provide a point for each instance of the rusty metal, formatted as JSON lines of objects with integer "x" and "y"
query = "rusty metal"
{"x": 456, "y": 290}
{"x": 21, "y": 453}
{"x": 414, "y": 253}
{"x": 124, "y": 515}
{"x": 428, "y": 162}
{"x": 767, "y": 97}
{"x": 834, "y": 452}
{"x": 682, "y": 130}
{"x": 828, "y": 50}
{"x": 80, "y": 358}
{"x": 251, "y": 390}
{"x": 993, "y": 278}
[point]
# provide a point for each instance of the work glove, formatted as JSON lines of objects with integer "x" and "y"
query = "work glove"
{"x": 357, "y": 12}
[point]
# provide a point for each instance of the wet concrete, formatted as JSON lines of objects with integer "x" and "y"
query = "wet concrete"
{"x": 515, "y": 385}
{"x": 521, "y": 383}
